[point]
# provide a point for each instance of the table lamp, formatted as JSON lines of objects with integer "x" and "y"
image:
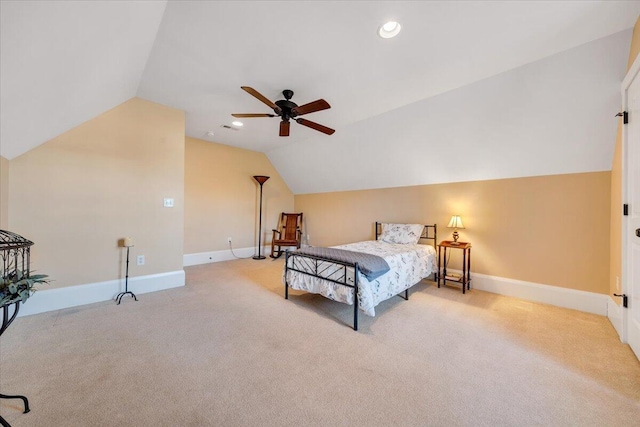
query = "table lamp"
{"x": 455, "y": 223}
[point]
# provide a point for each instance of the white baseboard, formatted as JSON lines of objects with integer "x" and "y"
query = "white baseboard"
{"x": 59, "y": 298}
{"x": 71, "y": 296}
{"x": 615, "y": 313}
{"x": 589, "y": 302}
{"x": 217, "y": 256}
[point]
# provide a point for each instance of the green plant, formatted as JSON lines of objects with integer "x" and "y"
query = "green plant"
{"x": 17, "y": 287}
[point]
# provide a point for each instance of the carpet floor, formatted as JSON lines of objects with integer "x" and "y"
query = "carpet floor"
{"x": 228, "y": 350}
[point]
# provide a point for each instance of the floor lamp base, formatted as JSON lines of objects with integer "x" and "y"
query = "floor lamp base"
{"x": 259, "y": 257}
{"x": 126, "y": 284}
{"x": 121, "y": 294}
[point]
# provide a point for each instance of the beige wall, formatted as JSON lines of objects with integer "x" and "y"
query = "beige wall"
{"x": 77, "y": 194}
{"x": 222, "y": 198}
{"x": 4, "y": 193}
{"x": 615, "y": 255}
{"x": 551, "y": 230}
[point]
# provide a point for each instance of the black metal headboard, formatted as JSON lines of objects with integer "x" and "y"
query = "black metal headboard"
{"x": 430, "y": 232}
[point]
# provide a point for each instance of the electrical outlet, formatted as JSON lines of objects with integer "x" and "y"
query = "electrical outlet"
{"x": 140, "y": 259}
{"x": 229, "y": 240}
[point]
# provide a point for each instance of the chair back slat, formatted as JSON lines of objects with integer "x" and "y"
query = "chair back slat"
{"x": 290, "y": 223}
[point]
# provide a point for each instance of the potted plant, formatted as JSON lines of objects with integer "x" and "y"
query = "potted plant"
{"x": 16, "y": 287}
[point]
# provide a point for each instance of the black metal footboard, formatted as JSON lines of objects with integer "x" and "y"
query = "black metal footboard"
{"x": 332, "y": 271}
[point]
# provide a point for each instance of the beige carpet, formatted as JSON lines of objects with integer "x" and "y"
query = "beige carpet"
{"x": 229, "y": 350}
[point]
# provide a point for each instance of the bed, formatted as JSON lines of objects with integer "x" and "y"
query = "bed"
{"x": 364, "y": 274}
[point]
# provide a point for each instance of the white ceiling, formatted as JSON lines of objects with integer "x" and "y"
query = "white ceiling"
{"x": 548, "y": 117}
{"x": 65, "y": 62}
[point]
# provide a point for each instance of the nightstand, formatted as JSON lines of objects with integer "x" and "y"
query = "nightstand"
{"x": 444, "y": 247}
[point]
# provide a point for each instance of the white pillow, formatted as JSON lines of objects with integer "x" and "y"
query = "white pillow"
{"x": 401, "y": 233}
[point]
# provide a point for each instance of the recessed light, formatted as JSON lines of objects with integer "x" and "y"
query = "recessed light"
{"x": 210, "y": 133}
{"x": 389, "y": 29}
{"x": 237, "y": 123}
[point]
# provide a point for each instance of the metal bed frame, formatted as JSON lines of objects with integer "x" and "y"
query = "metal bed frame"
{"x": 311, "y": 266}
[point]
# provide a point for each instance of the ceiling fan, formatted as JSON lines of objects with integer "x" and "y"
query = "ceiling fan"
{"x": 287, "y": 109}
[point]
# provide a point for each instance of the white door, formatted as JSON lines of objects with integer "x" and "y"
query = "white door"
{"x": 631, "y": 238}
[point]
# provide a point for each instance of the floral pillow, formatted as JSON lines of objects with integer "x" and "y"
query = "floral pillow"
{"x": 401, "y": 233}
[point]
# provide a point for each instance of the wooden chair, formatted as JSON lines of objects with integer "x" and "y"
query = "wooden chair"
{"x": 289, "y": 233}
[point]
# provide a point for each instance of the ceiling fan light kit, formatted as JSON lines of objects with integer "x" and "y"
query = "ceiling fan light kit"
{"x": 287, "y": 110}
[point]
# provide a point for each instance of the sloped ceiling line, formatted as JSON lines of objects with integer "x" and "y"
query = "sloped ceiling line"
{"x": 63, "y": 63}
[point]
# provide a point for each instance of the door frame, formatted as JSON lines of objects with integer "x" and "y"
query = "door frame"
{"x": 632, "y": 74}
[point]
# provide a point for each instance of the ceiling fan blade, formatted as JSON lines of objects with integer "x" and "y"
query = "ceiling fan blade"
{"x": 284, "y": 128}
{"x": 316, "y": 126}
{"x": 261, "y": 97}
{"x": 311, "y": 107}
{"x": 248, "y": 115}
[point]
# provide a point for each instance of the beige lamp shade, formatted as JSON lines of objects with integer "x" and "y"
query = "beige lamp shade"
{"x": 456, "y": 222}
{"x": 127, "y": 242}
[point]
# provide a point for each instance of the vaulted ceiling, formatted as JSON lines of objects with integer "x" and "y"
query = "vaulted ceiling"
{"x": 63, "y": 63}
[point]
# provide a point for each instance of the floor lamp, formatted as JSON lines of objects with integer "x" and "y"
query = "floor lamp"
{"x": 127, "y": 242}
{"x": 261, "y": 180}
